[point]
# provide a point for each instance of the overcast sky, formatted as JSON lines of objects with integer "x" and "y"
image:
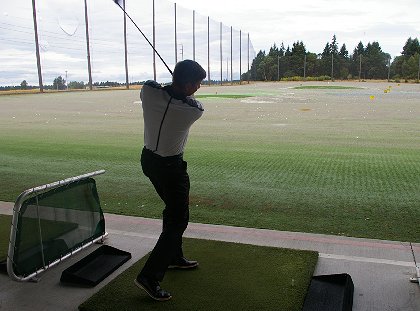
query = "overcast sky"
{"x": 63, "y": 48}
{"x": 314, "y": 22}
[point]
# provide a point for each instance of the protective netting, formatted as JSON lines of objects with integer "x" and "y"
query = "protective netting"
{"x": 55, "y": 223}
{"x": 180, "y": 33}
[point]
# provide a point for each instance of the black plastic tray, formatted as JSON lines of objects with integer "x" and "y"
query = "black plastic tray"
{"x": 95, "y": 267}
{"x": 332, "y": 292}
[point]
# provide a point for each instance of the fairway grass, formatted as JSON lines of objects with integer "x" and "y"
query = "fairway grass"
{"x": 5, "y": 222}
{"x": 326, "y": 87}
{"x": 222, "y": 96}
{"x": 329, "y": 161}
{"x": 230, "y": 277}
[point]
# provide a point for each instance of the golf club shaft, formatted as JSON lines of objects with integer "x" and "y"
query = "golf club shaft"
{"x": 134, "y": 23}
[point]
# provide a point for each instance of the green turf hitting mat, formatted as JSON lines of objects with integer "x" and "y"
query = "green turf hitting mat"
{"x": 231, "y": 276}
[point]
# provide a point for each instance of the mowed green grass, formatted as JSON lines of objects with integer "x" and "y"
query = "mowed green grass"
{"x": 5, "y": 223}
{"x": 312, "y": 160}
{"x": 201, "y": 96}
{"x": 325, "y": 87}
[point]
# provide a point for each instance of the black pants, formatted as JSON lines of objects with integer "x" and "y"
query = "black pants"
{"x": 170, "y": 178}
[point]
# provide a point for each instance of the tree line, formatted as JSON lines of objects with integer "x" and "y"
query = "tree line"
{"x": 366, "y": 62}
{"x": 60, "y": 83}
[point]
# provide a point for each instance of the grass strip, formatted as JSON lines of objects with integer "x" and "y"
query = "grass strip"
{"x": 231, "y": 276}
{"x": 5, "y": 221}
{"x": 326, "y": 87}
{"x": 235, "y": 96}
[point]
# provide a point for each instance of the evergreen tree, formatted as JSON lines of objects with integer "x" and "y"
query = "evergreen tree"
{"x": 410, "y": 48}
{"x": 406, "y": 66}
{"x": 312, "y": 65}
{"x": 376, "y": 61}
{"x": 283, "y": 62}
{"x": 343, "y": 63}
{"x": 59, "y": 83}
{"x": 76, "y": 85}
{"x": 23, "y": 85}
{"x": 410, "y": 67}
{"x": 356, "y": 60}
{"x": 273, "y": 58}
{"x": 368, "y": 62}
{"x": 325, "y": 61}
{"x": 296, "y": 59}
{"x": 334, "y": 45}
{"x": 343, "y": 52}
{"x": 256, "y": 72}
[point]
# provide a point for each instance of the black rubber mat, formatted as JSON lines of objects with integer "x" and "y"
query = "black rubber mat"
{"x": 330, "y": 293}
{"x": 95, "y": 267}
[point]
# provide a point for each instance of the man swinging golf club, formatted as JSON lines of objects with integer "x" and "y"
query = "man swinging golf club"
{"x": 168, "y": 115}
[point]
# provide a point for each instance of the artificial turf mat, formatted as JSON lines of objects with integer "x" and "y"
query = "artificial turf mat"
{"x": 231, "y": 276}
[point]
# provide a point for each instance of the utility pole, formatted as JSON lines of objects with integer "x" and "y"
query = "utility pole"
{"x": 360, "y": 68}
{"x": 332, "y": 67}
{"x": 154, "y": 42}
{"x": 176, "y": 39}
{"x": 227, "y": 68}
{"x": 127, "y": 85}
{"x": 231, "y": 54}
{"x": 193, "y": 35}
{"x": 304, "y": 68}
{"x": 418, "y": 72}
{"x": 240, "y": 56}
{"x": 278, "y": 67}
{"x": 389, "y": 66}
{"x": 67, "y": 84}
{"x": 208, "y": 49}
{"x": 87, "y": 47}
{"x": 221, "y": 55}
{"x": 182, "y": 51}
{"x": 248, "y": 59}
{"x": 38, "y": 58}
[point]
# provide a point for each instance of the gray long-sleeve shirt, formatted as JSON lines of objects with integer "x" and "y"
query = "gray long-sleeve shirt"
{"x": 167, "y": 120}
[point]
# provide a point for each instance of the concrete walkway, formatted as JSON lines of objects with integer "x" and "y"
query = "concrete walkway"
{"x": 380, "y": 269}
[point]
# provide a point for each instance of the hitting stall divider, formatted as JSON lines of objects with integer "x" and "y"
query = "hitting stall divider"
{"x": 51, "y": 223}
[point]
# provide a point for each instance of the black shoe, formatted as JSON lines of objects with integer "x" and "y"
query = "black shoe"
{"x": 152, "y": 288}
{"x": 183, "y": 263}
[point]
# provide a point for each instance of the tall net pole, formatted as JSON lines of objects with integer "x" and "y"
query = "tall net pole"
{"x": 418, "y": 72}
{"x": 247, "y": 75}
{"x": 125, "y": 49}
{"x": 240, "y": 56}
{"x": 87, "y": 47}
{"x": 221, "y": 55}
{"x": 231, "y": 54}
{"x": 154, "y": 42}
{"x": 176, "y": 39}
{"x": 193, "y": 35}
{"x": 208, "y": 48}
{"x": 38, "y": 58}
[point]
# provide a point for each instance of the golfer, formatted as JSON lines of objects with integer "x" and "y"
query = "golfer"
{"x": 168, "y": 113}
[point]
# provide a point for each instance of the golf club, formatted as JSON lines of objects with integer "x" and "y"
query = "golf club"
{"x": 117, "y": 2}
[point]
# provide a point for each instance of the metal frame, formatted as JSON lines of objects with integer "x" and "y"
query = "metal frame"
{"x": 16, "y": 211}
{"x": 416, "y": 278}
